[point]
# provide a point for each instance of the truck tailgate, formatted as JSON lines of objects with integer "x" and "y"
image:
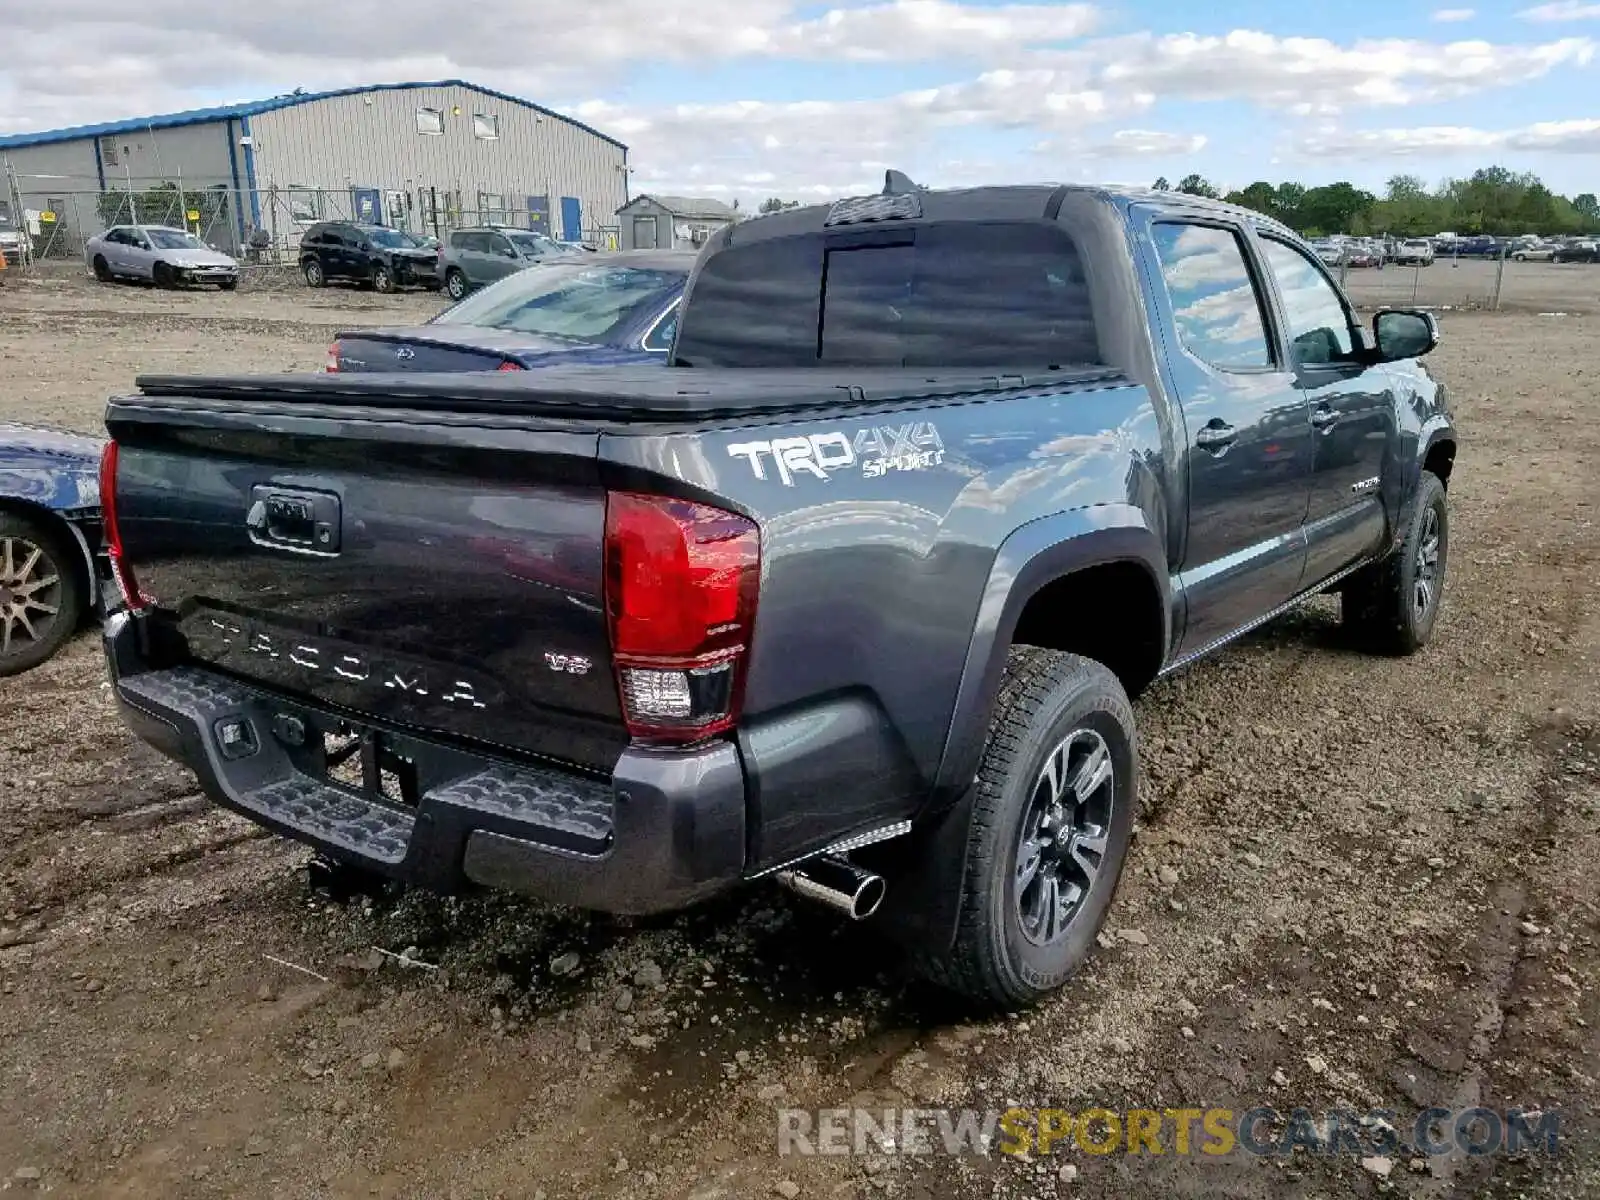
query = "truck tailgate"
{"x": 447, "y": 584}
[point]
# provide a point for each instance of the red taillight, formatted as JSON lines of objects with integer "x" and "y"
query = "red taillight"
{"x": 332, "y": 365}
{"x": 120, "y": 571}
{"x": 681, "y": 587}
{"x": 508, "y": 365}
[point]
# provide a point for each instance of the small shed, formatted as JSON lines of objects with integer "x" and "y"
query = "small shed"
{"x": 670, "y": 222}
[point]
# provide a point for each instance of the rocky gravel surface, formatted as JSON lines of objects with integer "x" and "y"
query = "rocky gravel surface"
{"x": 1357, "y": 883}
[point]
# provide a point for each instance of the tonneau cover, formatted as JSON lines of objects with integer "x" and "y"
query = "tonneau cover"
{"x": 644, "y": 393}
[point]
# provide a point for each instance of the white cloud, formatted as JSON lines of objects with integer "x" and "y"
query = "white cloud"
{"x": 1560, "y": 137}
{"x": 1448, "y": 15}
{"x": 1010, "y": 74}
{"x": 1562, "y": 10}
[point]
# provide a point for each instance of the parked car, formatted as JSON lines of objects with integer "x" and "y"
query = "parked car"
{"x": 603, "y": 308}
{"x": 376, "y": 255}
{"x": 1531, "y": 250}
{"x": 1363, "y": 253}
{"x": 166, "y": 257}
{"x": 50, "y": 561}
{"x": 1479, "y": 245}
{"x": 1415, "y": 252}
{"x": 852, "y": 594}
{"x": 15, "y": 247}
{"x": 472, "y": 258}
{"x": 1329, "y": 251}
{"x": 1579, "y": 250}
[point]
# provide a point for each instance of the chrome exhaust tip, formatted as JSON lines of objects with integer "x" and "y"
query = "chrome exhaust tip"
{"x": 839, "y": 884}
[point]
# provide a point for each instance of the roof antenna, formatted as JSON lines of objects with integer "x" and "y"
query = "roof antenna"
{"x": 898, "y": 183}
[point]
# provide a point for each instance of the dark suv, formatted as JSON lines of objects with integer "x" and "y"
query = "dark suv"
{"x": 372, "y": 254}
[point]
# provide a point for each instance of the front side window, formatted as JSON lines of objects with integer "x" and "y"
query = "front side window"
{"x": 1215, "y": 305}
{"x": 430, "y": 121}
{"x": 1319, "y": 323}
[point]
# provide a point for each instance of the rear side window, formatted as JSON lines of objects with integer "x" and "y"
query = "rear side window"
{"x": 1215, "y": 304}
{"x": 960, "y": 294}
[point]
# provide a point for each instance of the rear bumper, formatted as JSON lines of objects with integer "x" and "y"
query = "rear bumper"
{"x": 665, "y": 831}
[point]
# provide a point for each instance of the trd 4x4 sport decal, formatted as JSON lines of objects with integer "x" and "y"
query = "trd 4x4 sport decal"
{"x": 876, "y": 451}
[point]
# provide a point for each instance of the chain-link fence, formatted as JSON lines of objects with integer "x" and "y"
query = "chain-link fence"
{"x": 1530, "y": 280}
{"x": 264, "y": 226}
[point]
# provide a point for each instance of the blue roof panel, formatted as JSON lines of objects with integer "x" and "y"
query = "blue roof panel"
{"x": 250, "y": 108}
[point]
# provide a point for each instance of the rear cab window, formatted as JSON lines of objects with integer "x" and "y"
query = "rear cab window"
{"x": 1216, "y": 304}
{"x": 941, "y": 294}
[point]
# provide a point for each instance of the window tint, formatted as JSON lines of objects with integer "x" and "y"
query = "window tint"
{"x": 1319, "y": 323}
{"x": 960, "y": 294}
{"x": 1214, "y": 301}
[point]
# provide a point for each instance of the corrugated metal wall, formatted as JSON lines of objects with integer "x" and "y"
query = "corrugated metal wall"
{"x": 371, "y": 140}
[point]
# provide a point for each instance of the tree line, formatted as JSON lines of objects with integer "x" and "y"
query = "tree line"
{"x": 1491, "y": 200}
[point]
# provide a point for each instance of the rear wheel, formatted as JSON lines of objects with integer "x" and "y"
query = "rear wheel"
{"x": 161, "y": 275}
{"x": 313, "y": 273}
{"x": 382, "y": 279}
{"x": 41, "y": 596}
{"x": 1050, "y": 826}
{"x": 455, "y": 284}
{"x": 101, "y": 268}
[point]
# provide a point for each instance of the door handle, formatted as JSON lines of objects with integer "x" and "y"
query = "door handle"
{"x": 1216, "y": 436}
{"x": 1322, "y": 418}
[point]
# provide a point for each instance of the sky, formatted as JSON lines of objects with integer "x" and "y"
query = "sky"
{"x": 806, "y": 102}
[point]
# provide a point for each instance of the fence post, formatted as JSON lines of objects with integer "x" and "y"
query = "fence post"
{"x": 1499, "y": 277}
{"x": 1344, "y": 265}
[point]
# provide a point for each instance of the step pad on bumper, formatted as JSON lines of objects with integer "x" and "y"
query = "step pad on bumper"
{"x": 576, "y": 817}
{"x": 544, "y": 807}
{"x": 329, "y": 815}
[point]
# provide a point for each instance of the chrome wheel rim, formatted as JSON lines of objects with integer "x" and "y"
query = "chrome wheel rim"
{"x": 30, "y": 594}
{"x": 1061, "y": 846}
{"x": 1425, "y": 589}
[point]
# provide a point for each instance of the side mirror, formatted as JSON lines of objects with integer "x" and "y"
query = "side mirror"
{"x": 1404, "y": 333}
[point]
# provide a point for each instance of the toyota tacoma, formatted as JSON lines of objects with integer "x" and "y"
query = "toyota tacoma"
{"x": 853, "y": 593}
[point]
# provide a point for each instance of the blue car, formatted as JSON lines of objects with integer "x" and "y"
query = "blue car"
{"x": 50, "y": 560}
{"x": 603, "y": 309}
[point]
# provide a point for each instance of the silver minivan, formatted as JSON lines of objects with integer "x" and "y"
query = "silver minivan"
{"x": 472, "y": 258}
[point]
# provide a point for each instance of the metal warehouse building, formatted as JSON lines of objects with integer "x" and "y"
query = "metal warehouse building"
{"x": 420, "y": 156}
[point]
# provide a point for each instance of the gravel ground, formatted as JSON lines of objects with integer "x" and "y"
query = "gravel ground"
{"x": 1356, "y": 882}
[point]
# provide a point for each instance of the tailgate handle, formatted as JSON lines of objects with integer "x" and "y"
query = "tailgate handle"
{"x": 294, "y": 519}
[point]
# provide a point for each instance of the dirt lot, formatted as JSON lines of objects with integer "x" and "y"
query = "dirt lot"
{"x": 1527, "y": 287}
{"x": 1356, "y": 882}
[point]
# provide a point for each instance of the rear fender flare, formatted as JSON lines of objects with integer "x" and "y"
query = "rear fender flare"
{"x": 1031, "y": 557}
{"x": 928, "y": 868}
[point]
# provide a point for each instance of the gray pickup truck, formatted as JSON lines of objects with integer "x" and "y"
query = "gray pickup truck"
{"x": 852, "y": 594}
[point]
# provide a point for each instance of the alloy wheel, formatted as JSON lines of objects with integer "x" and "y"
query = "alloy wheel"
{"x": 1426, "y": 589}
{"x": 1064, "y": 835}
{"x": 30, "y": 594}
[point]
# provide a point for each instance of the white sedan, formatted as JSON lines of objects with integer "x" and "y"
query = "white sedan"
{"x": 166, "y": 257}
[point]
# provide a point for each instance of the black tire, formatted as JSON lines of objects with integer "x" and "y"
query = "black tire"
{"x": 1048, "y": 701}
{"x": 312, "y": 269}
{"x": 455, "y": 284}
{"x": 227, "y": 285}
{"x": 382, "y": 279}
{"x": 161, "y": 275}
{"x": 21, "y": 538}
{"x": 101, "y": 268}
{"x": 1384, "y": 604}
